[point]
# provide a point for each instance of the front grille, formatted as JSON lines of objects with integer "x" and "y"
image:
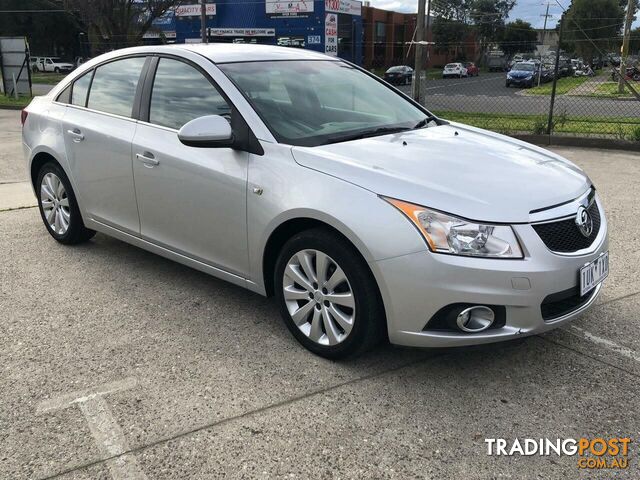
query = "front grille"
{"x": 565, "y": 237}
{"x": 558, "y": 304}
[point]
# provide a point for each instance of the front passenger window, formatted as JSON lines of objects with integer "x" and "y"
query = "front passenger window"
{"x": 181, "y": 94}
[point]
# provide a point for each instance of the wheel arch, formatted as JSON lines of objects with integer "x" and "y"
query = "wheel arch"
{"x": 290, "y": 227}
{"x": 38, "y": 161}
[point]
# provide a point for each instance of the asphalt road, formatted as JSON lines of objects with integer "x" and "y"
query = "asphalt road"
{"x": 116, "y": 363}
{"x": 487, "y": 93}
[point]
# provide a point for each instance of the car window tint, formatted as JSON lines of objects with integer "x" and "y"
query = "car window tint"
{"x": 114, "y": 86}
{"x": 80, "y": 90}
{"x": 181, "y": 94}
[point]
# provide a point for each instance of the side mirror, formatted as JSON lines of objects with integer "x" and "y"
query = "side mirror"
{"x": 211, "y": 131}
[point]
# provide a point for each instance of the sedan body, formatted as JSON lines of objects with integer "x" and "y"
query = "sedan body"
{"x": 472, "y": 69}
{"x": 302, "y": 176}
{"x": 399, "y": 75}
{"x": 523, "y": 74}
{"x": 454, "y": 70}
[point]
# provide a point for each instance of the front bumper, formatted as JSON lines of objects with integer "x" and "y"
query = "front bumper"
{"x": 416, "y": 286}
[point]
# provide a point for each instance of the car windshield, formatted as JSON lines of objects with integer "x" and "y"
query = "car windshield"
{"x": 395, "y": 69}
{"x": 525, "y": 67}
{"x": 316, "y": 102}
{"x": 451, "y": 65}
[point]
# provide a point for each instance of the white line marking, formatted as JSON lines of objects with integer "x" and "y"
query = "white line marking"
{"x": 624, "y": 351}
{"x": 105, "y": 430}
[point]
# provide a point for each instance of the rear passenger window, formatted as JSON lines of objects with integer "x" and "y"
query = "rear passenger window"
{"x": 181, "y": 94}
{"x": 80, "y": 90}
{"x": 114, "y": 86}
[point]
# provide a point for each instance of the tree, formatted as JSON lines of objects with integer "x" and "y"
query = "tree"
{"x": 115, "y": 24}
{"x": 518, "y": 36}
{"x": 586, "y": 33}
{"x": 49, "y": 29}
{"x": 457, "y": 10}
{"x": 488, "y": 18}
{"x": 448, "y": 34}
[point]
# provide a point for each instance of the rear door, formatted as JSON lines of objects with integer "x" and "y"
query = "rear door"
{"x": 98, "y": 130}
{"x": 191, "y": 200}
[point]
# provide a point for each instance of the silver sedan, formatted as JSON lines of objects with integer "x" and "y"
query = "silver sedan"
{"x": 302, "y": 176}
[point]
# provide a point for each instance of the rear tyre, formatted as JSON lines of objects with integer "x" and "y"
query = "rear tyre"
{"x": 327, "y": 295}
{"x": 56, "y": 70}
{"x": 58, "y": 206}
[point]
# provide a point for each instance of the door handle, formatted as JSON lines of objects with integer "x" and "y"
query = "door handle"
{"x": 148, "y": 159}
{"x": 76, "y": 134}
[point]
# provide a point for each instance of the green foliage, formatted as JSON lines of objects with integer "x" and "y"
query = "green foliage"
{"x": 448, "y": 34}
{"x": 518, "y": 36}
{"x": 584, "y": 20}
{"x": 634, "y": 41}
{"x": 489, "y": 16}
{"x": 53, "y": 33}
{"x": 635, "y": 134}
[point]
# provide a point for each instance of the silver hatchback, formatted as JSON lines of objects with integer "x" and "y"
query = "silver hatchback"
{"x": 302, "y": 176}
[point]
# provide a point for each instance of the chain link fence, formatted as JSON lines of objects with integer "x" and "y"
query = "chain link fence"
{"x": 530, "y": 98}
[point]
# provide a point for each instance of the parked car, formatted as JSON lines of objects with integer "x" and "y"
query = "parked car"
{"x": 52, "y": 64}
{"x": 472, "y": 69}
{"x": 547, "y": 73}
{"x": 399, "y": 75}
{"x": 299, "y": 175}
{"x": 522, "y": 74}
{"x": 454, "y": 70}
{"x": 497, "y": 64}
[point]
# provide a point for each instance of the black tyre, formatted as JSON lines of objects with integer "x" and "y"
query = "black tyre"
{"x": 327, "y": 295}
{"x": 59, "y": 207}
{"x": 56, "y": 70}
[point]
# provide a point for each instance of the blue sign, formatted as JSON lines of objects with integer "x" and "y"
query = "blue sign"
{"x": 314, "y": 40}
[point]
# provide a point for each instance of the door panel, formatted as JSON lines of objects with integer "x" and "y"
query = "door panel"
{"x": 98, "y": 142}
{"x": 194, "y": 199}
{"x": 99, "y": 151}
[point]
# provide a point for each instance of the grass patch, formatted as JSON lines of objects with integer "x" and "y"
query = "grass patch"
{"x": 12, "y": 102}
{"x": 610, "y": 90}
{"x": 621, "y": 128}
{"x": 563, "y": 86}
{"x": 47, "y": 78}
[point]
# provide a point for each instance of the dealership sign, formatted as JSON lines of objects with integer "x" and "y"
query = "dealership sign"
{"x": 331, "y": 34}
{"x": 242, "y": 32}
{"x": 350, "y": 7}
{"x": 194, "y": 10}
{"x": 165, "y": 34}
{"x": 296, "y": 8}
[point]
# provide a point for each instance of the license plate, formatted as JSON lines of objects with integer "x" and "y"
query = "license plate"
{"x": 594, "y": 273}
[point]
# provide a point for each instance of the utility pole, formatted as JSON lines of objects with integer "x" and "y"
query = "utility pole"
{"x": 419, "y": 57}
{"x": 544, "y": 34}
{"x": 624, "y": 52}
{"x": 426, "y": 37}
{"x": 203, "y": 21}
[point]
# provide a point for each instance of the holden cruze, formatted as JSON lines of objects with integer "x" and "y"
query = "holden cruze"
{"x": 302, "y": 176}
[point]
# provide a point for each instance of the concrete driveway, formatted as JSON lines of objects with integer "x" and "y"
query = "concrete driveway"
{"x": 116, "y": 363}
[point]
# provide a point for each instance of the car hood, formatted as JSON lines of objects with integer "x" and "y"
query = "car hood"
{"x": 454, "y": 168}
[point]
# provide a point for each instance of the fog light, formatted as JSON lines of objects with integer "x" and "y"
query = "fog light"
{"x": 475, "y": 319}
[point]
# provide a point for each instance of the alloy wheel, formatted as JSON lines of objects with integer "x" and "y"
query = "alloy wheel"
{"x": 55, "y": 203}
{"x": 319, "y": 298}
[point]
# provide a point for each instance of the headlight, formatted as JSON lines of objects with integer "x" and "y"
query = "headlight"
{"x": 448, "y": 234}
{"x": 529, "y": 77}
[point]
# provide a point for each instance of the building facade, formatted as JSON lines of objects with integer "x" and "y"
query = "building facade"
{"x": 330, "y": 26}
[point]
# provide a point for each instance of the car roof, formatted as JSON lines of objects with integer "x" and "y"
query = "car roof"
{"x": 238, "y": 52}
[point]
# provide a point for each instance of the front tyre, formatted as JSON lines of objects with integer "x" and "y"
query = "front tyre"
{"x": 327, "y": 295}
{"x": 58, "y": 206}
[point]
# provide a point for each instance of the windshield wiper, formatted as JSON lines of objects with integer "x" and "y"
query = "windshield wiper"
{"x": 423, "y": 123}
{"x": 369, "y": 133}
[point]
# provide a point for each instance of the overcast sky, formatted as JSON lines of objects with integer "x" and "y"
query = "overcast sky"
{"x": 529, "y": 10}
